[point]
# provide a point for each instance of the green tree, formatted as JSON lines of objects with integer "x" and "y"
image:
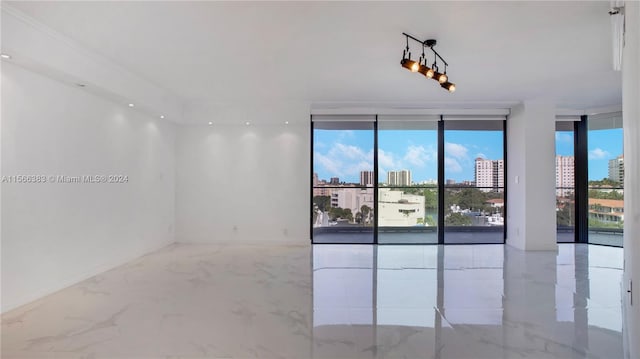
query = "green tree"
{"x": 336, "y": 213}
{"x": 430, "y": 198}
{"x": 594, "y": 223}
{"x": 366, "y": 212}
{"x": 457, "y": 219}
{"x": 593, "y": 193}
{"x": 467, "y": 198}
{"x": 565, "y": 216}
{"x": 323, "y": 202}
{"x": 358, "y": 217}
{"x": 605, "y": 182}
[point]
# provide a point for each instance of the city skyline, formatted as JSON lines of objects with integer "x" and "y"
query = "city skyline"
{"x": 602, "y": 146}
{"x": 344, "y": 153}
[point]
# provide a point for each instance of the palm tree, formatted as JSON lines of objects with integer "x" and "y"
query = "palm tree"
{"x": 366, "y": 211}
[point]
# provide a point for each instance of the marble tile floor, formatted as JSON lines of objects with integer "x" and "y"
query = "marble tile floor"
{"x": 334, "y": 301}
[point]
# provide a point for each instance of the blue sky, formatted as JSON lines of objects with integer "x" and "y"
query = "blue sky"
{"x": 345, "y": 153}
{"x": 603, "y": 145}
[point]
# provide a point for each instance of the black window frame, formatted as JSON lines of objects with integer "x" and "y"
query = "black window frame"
{"x": 441, "y": 186}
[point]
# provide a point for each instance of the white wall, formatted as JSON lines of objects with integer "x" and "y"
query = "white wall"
{"x": 531, "y": 158}
{"x": 631, "y": 123}
{"x": 54, "y": 235}
{"x": 244, "y": 183}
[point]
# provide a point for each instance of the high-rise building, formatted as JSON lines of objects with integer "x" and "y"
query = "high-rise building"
{"x": 334, "y": 181}
{"x": 616, "y": 169}
{"x": 565, "y": 175}
{"x": 315, "y": 179}
{"x": 399, "y": 178}
{"x": 366, "y": 178}
{"x": 489, "y": 174}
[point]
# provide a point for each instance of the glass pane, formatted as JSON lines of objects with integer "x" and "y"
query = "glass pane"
{"x": 474, "y": 188}
{"x": 473, "y": 215}
{"x": 565, "y": 183}
{"x": 407, "y": 177}
{"x": 606, "y": 180}
{"x": 606, "y": 215}
{"x": 408, "y": 215}
{"x": 342, "y": 208}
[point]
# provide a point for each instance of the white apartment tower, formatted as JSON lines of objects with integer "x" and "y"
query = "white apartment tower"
{"x": 489, "y": 174}
{"x": 366, "y": 178}
{"x": 565, "y": 175}
{"x": 399, "y": 178}
{"x": 616, "y": 169}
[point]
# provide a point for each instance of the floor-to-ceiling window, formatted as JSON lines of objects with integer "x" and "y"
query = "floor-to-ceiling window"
{"x": 565, "y": 181}
{"x": 407, "y": 179}
{"x": 606, "y": 179}
{"x": 343, "y": 179}
{"x": 474, "y": 175}
{"x": 381, "y": 179}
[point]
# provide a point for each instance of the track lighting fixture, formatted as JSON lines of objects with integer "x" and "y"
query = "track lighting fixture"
{"x": 406, "y": 61}
{"x": 448, "y": 86}
{"x": 421, "y": 66}
{"x": 441, "y": 78}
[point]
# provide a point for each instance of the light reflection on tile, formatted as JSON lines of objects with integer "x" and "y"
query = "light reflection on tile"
{"x": 488, "y": 301}
{"x": 241, "y": 301}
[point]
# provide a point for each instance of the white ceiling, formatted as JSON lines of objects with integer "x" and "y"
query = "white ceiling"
{"x": 498, "y": 52}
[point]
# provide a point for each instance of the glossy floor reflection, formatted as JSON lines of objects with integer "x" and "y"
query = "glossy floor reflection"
{"x": 352, "y": 301}
{"x": 487, "y": 301}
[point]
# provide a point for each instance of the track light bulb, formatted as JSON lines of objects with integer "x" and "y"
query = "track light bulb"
{"x": 426, "y": 71}
{"x": 410, "y": 65}
{"x": 442, "y": 78}
{"x": 449, "y": 86}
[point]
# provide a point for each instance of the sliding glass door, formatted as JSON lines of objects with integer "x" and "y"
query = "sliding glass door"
{"x": 565, "y": 182}
{"x": 407, "y": 179}
{"x": 606, "y": 179}
{"x": 410, "y": 179}
{"x": 474, "y": 172}
{"x": 343, "y": 179}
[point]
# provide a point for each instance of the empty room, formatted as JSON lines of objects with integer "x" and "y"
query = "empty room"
{"x": 320, "y": 179}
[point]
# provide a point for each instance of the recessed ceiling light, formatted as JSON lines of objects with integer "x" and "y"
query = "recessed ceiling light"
{"x": 5, "y": 56}
{"x": 210, "y": 123}
{"x": 247, "y": 123}
{"x": 162, "y": 117}
{"x": 131, "y": 105}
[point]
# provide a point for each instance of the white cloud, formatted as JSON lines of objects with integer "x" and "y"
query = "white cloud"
{"x": 386, "y": 160}
{"x": 331, "y": 165}
{"x": 418, "y": 155}
{"x": 355, "y": 168}
{"x": 455, "y": 150}
{"x": 340, "y": 150}
{"x": 344, "y": 160}
{"x": 598, "y": 154}
{"x": 452, "y": 165}
{"x": 481, "y": 155}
